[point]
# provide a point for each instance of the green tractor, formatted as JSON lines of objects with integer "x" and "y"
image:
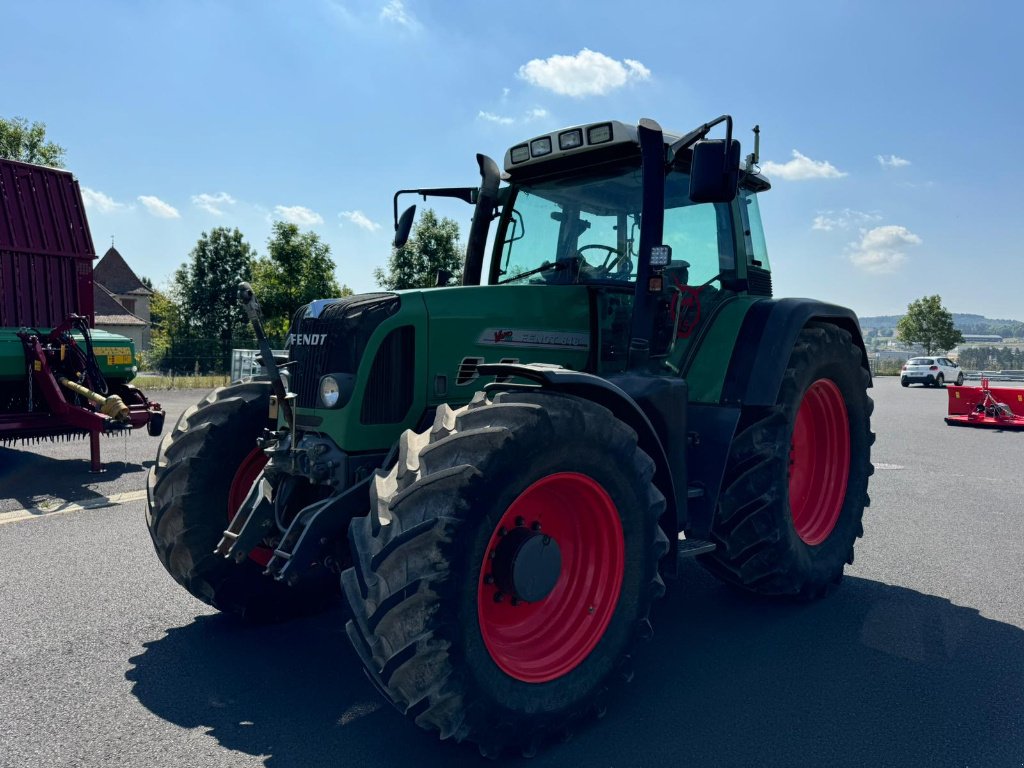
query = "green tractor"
{"x": 502, "y": 472}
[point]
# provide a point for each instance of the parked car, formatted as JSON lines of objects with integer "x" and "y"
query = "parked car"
{"x": 931, "y": 372}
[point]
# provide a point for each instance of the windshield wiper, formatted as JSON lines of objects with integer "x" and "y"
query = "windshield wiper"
{"x": 557, "y": 265}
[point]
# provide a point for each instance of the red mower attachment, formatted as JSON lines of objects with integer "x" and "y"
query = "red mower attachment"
{"x": 985, "y": 407}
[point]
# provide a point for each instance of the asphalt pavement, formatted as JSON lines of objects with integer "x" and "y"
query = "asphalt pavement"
{"x": 918, "y": 660}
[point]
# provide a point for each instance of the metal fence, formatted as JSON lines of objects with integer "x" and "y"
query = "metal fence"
{"x": 244, "y": 365}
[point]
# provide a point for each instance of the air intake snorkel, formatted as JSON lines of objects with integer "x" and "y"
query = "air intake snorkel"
{"x": 486, "y": 202}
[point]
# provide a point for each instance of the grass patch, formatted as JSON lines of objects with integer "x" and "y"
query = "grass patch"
{"x": 180, "y": 382}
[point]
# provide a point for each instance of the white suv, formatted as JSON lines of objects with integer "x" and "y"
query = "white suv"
{"x": 931, "y": 372}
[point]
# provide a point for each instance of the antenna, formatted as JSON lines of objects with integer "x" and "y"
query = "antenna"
{"x": 754, "y": 156}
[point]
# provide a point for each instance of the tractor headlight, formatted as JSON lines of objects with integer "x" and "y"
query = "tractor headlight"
{"x": 329, "y": 391}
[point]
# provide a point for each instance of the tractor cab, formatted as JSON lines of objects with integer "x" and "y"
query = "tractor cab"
{"x": 660, "y": 229}
{"x": 573, "y": 213}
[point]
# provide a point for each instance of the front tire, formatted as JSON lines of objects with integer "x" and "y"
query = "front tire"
{"x": 960, "y": 380}
{"x": 795, "y": 484}
{"x": 458, "y": 624}
{"x": 203, "y": 470}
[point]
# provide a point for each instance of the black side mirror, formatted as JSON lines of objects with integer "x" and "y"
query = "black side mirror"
{"x": 714, "y": 171}
{"x": 404, "y": 226}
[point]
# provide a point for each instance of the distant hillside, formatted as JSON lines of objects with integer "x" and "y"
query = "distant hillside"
{"x": 966, "y": 323}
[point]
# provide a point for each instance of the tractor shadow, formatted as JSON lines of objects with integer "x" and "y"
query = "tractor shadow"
{"x": 875, "y": 675}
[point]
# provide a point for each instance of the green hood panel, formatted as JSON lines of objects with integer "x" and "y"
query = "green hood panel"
{"x": 490, "y": 324}
{"x": 456, "y": 329}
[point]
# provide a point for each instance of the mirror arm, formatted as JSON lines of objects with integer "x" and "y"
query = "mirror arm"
{"x": 466, "y": 194}
{"x": 699, "y": 133}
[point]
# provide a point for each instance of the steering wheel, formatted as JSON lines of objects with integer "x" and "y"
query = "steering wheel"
{"x": 611, "y": 261}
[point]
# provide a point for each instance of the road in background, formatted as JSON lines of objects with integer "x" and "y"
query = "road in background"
{"x": 918, "y": 660}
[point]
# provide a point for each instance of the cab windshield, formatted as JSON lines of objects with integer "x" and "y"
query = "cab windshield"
{"x": 585, "y": 228}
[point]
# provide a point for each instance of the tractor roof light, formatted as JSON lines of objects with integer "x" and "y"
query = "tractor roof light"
{"x": 574, "y": 140}
{"x": 540, "y": 147}
{"x": 520, "y": 154}
{"x": 570, "y": 139}
{"x": 599, "y": 134}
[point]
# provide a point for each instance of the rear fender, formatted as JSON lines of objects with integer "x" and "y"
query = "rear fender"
{"x": 766, "y": 338}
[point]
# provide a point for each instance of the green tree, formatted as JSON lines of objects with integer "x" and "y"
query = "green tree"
{"x": 297, "y": 269}
{"x": 165, "y": 317}
{"x": 930, "y": 324}
{"x": 434, "y": 246}
{"x": 20, "y": 140}
{"x": 210, "y": 321}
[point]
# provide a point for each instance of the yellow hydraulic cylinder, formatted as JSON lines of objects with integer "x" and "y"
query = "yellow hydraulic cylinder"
{"x": 112, "y": 406}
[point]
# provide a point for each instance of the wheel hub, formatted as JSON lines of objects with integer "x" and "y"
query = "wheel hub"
{"x": 527, "y": 564}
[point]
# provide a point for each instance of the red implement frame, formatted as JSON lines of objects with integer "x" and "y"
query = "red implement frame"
{"x": 64, "y": 418}
{"x": 983, "y": 406}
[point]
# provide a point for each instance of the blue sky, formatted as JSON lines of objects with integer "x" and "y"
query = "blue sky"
{"x": 888, "y": 129}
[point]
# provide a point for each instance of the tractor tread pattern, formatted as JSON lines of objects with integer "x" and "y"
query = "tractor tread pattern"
{"x": 186, "y": 511}
{"x": 755, "y": 550}
{"x": 402, "y": 551}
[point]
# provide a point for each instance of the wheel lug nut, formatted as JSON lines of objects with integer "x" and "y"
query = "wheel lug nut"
{"x": 515, "y": 601}
{"x": 498, "y": 597}
{"x": 535, "y": 526}
{"x": 502, "y": 531}
{"x": 488, "y": 579}
{"x": 520, "y": 522}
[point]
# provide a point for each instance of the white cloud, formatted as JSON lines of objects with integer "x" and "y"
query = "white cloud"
{"x": 801, "y": 168}
{"x": 213, "y": 203}
{"x": 892, "y": 161}
{"x": 588, "y": 73}
{"x": 297, "y": 214}
{"x": 97, "y": 201}
{"x": 537, "y": 113}
{"x": 360, "y": 220}
{"x": 881, "y": 249}
{"x": 158, "y": 207}
{"x": 396, "y": 12}
{"x": 490, "y": 117}
{"x": 826, "y": 221}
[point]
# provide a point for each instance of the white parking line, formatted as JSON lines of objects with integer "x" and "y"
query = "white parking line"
{"x": 65, "y": 507}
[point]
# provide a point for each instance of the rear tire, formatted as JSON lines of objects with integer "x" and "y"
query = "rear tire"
{"x": 940, "y": 381}
{"x": 790, "y": 508}
{"x": 904, "y": 382}
{"x": 429, "y": 624}
{"x": 206, "y": 459}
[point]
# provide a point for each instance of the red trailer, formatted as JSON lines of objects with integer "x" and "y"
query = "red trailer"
{"x": 52, "y": 383}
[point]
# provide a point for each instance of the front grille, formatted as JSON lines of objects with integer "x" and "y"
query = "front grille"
{"x": 389, "y": 390}
{"x": 334, "y": 341}
{"x": 759, "y": 281}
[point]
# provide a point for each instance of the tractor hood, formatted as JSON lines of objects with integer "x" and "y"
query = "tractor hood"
{"x": 396, "y": 356}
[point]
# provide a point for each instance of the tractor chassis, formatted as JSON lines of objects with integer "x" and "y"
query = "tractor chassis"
{"x": 315, "y": 536}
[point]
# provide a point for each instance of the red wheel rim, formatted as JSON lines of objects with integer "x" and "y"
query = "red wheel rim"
{"x": 544, "y": 640}
{"x": 819, "y": 462}
{"x": 245, "y": 476}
